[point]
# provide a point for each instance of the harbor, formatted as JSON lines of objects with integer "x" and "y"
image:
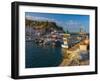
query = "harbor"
{"x": 73, "y": 49}
{"x": 61, "y": 41}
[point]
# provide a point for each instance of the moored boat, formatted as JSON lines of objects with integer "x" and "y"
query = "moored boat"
{"x": 65, "y": 41}
{"x": 64, "y": 45}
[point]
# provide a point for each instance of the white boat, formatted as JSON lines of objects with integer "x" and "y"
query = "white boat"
{"x": 64, "y": 45}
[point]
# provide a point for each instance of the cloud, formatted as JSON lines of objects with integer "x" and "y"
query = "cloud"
{"x": 39, "y": 18}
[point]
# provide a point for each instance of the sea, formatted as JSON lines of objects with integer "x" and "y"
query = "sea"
{"x": 39, "y": 56}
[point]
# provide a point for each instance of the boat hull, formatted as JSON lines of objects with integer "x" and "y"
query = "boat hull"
{"x": 64, "y": 46}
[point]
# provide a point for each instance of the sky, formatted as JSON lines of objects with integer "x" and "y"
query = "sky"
{"x": 69, "y": 22}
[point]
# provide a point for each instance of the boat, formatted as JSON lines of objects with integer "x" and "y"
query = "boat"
{"x": 64, "y": 45}
{"x": 65, "y": 42}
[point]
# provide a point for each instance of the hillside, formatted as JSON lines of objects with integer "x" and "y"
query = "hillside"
{"x": 42, "y": 24}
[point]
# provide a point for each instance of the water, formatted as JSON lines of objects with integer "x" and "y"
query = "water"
{"x": 42, "y": 56}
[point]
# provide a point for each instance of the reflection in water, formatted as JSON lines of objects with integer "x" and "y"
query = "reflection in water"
{"x": 37, "y": 56}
